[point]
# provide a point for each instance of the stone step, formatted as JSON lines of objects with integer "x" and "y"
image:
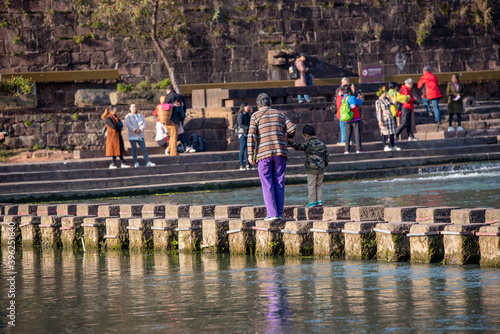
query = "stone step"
{"x": 231, "y": 179}
{"x": 99, "y": 179}
{"x": 231, "y": 156}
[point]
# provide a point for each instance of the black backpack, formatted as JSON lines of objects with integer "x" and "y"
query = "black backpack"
{"x": 197, "y": 142}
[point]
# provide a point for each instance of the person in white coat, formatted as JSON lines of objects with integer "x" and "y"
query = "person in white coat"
{"x": 136, "y": 125}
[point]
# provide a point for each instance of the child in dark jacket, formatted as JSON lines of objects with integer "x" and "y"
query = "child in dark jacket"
{"x": 316, "y": 161}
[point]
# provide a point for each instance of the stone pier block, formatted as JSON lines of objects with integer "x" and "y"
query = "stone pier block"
{"x": 30, "y": 230}
{"x": 116, "y": 236}
{"x": 140, "y": 233}
{"x": 72, "y": 231}
{"x": 289, "y": 212}
{"x": 241, "y": 236}
{"x": 46, "y": 210}
{"x": 461, "y": 245}
{"x": 10, "y": 210}
{"x": 27, "y": 209}
{"x": 131, "y": 210}
{"x": 215, "y": 237}
{"x": 253, "y": 212}
{"x": 87, "y": 209}
{"x": 468, "y": 216}
{"x": 333, "y": 213}
{"x": 392, "y": 243}
{"x": 401, "y": 214}
{"x": 303, "y": 213}
{"x": 229, "y": 211}
{"x": 360, "y": 240}
{"x": 66, "y": 209}
{"x": 10, "y": 228}
{"x": 108, "y": 211}
{"x": 153, "y": 211}
{"x": 426, "y": 243}
{"x": 489, "y": 246}
{"x": 435, "y": 215}
{"x": 202, "y": 211}
{"x": 50, "y": 231}
{"x": 268, "y": 237}
{"x": 177, "y": 211}
{"x": 94, "y": 229}
{"x": 328, "y": 238}
{"x": 164, "y": 234}
{"x": 492, "y": 216}
{"x": 190, "y": 234}
{"x": 367, "y": 213}
{"x": 297, "y": 238}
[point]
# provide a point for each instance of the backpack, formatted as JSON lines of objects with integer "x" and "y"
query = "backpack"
{"x": 197, "y": 142}
{"x": 294, "y": 72}
{"x": 345, "y": 111}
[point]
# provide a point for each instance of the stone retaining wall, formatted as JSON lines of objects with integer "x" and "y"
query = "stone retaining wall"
{"x": 46, "y": 35}
{"x": 201, "y": 229}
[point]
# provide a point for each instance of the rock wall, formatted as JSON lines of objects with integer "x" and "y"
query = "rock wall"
{"x": 47, "y": 35}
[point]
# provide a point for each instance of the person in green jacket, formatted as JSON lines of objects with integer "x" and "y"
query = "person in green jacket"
{"x": 316, "y": 162}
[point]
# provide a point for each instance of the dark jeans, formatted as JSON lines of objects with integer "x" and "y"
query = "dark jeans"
{"x": 459, "y": 119}
{"x": 405, "y": 123}
{"x": 353, "y": 128}
{"x": 391, "y": 140}
{"x": 243, "y": 155}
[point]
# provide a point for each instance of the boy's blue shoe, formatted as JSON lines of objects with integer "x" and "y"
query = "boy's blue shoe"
{"x": 310, "y": 204}
{"x": 319, "y": 203}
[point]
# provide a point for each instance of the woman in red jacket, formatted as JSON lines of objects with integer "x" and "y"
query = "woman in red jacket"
{"x": 407, "y": 111}
{"x": 431, "y": 92}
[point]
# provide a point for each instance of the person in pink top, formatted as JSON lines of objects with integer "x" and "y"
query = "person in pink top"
{"x": 428, "y": 83}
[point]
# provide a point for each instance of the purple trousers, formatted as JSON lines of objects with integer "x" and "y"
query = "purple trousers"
{"x": 272, "y": 178}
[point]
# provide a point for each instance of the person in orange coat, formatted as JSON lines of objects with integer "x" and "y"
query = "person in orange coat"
{"x": 114, "y": 140}
{"x": 428, "y": 83}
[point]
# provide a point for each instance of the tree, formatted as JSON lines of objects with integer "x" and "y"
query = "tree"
{"x": 151, "y": 20}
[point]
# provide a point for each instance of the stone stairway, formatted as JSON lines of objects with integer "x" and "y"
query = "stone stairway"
{"x": 90, "y": 178}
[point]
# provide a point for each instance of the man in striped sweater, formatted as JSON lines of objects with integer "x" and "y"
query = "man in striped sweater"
{"x": 267, "y": 146}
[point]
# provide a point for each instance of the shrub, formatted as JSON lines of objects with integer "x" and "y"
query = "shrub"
{"x": 121, "y": 87}
{"x": 162, "y": 84}
{"x": 16, "y": 86}
{"x": 144, "y": 85}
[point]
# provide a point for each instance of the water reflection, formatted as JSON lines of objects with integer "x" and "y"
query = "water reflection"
{"x": 59, "y": 291}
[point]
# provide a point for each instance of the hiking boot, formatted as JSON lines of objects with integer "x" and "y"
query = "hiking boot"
{"x": 112, "y": 166}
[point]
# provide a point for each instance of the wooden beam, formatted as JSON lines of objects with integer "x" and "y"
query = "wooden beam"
{"x": 64, "y": 76}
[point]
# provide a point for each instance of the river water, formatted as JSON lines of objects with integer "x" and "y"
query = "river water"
{"x": 466, "y": 186}
{"x": 62, "y": 292}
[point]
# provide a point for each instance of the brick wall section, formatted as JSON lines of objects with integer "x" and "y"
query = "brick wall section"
{"x": 41, "y": 36}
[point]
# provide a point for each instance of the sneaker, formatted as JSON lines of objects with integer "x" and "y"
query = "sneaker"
{"x": 280, "y": 217}
{"x": 308, "y": 101}
{"x": 249, "y": 168}
{"x": 451, "y": 129}
{"x": 150, "y": 164}
{"x": 271, "y": 218}
{"x": 387, "y": 148}
{"x": 166, "y": 152}
{"x": 125, "y": 165}
{"x": 340, "y": 144}
{"x": 242, "y": 168}
{"x": 136, "y": 165}
{"x": 301, "y": 101}
{"x": 319, "y": 203}
{"x": 310, "y": 204}
{"x": 460, "y": 128}
{"x": 112, "y": 166}
{"x": 395, "y": 148}
{"x": 346, "y": 152}
{"x": 191, "y": 150}
{"x": 362, "y": 151}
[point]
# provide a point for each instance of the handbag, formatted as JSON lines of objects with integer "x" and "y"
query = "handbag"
{"x": 181, "y": 129}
